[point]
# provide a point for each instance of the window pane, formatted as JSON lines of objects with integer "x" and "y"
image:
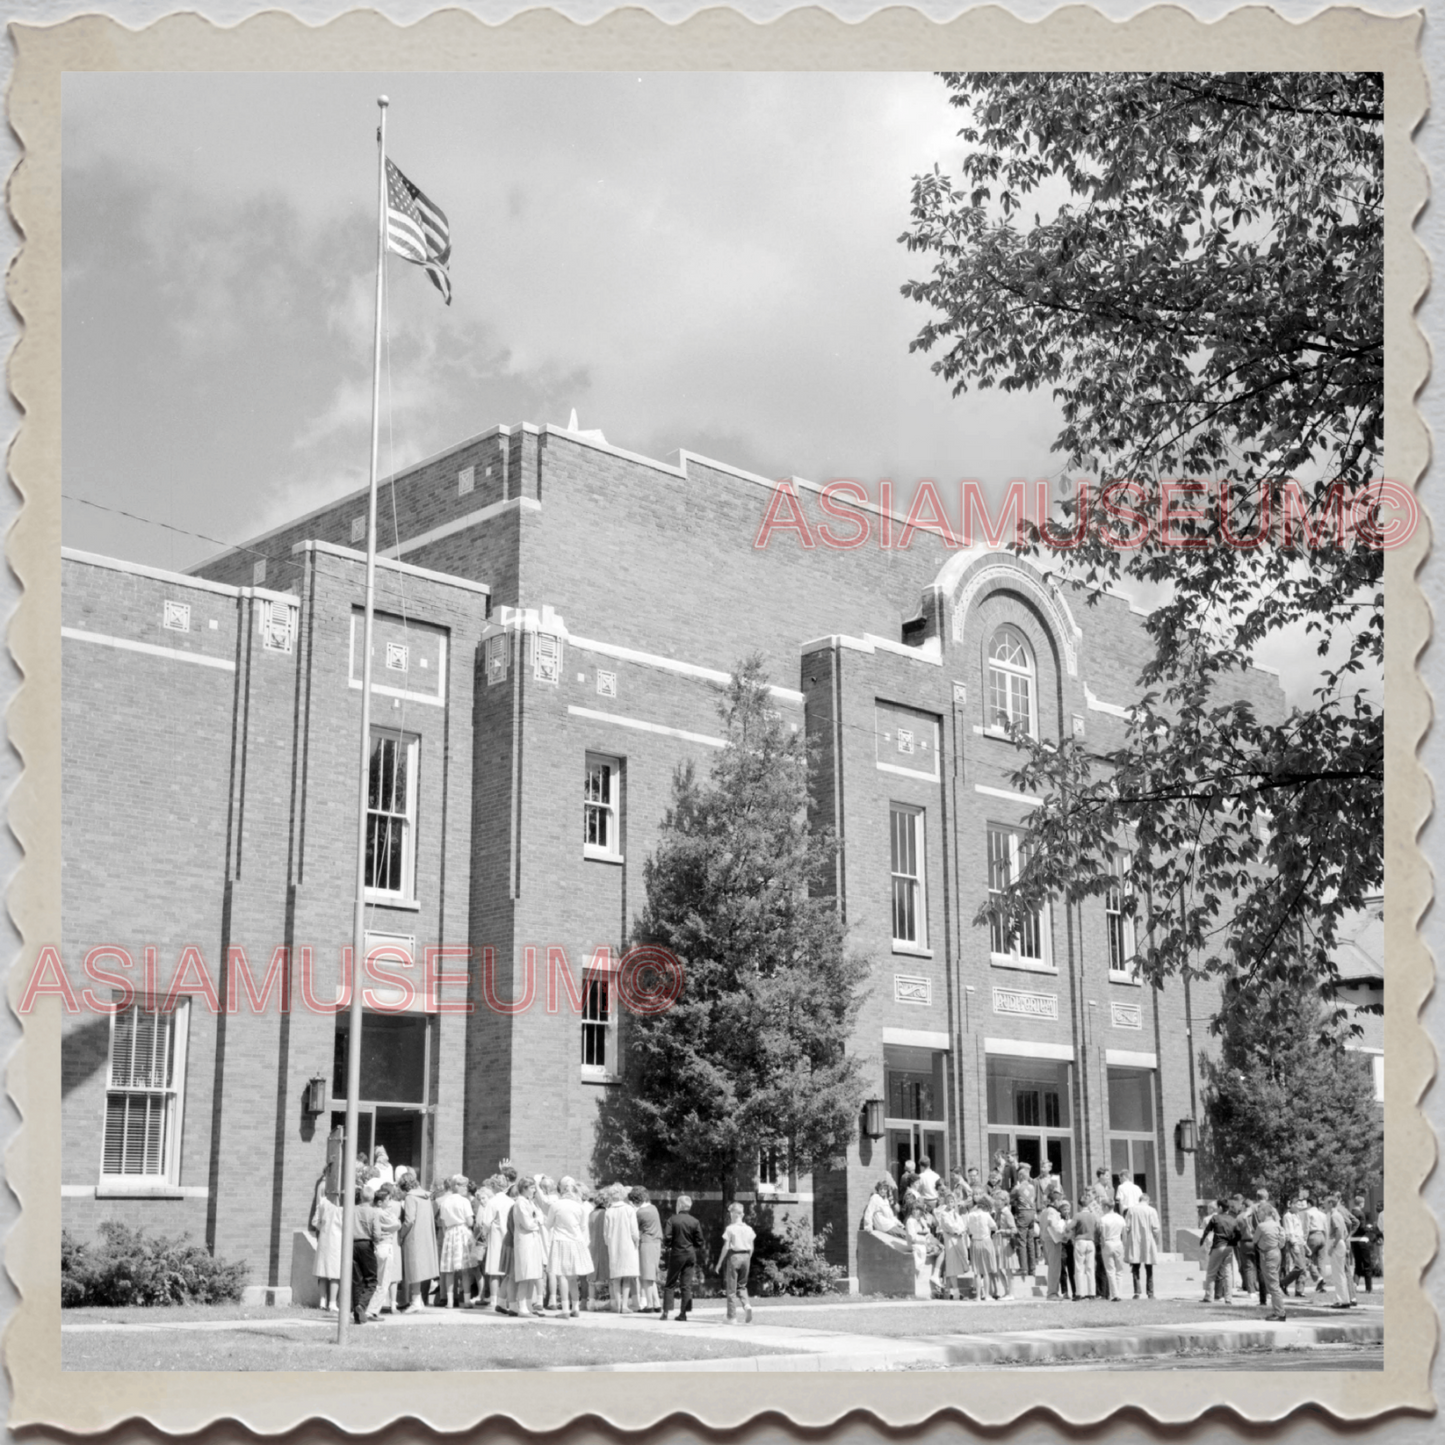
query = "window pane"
{"x": 393, "y": 1058}
{"x": 1033, "y": 1092}
{"x": 1131, "y": 1099}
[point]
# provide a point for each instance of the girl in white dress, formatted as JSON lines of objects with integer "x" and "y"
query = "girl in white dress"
{"x": 454, "y": 1220}
{"x": 496, "y": 1216}
{"x": 619, "y": 1227}
{"x": 526, "y": 1245}
{"x": 326, "y": 1222}
{"x": 569, "y": 1257}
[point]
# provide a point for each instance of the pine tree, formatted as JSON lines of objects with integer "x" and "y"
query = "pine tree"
{"x": 753, "y": 1056}
{"x": 1286, "y": 1105}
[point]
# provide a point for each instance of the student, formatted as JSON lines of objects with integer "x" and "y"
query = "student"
{"x": 1111, "y": 1250}
{"x": 326, "y": 1222}
{"x": 1315, "y": 1241}
{"x": 569, "y": 1257}
{"x": 734, "y": 1261}
{"x": 1218, "y": 1239}
{"x": 1269, "y": 1246}
{"x": 1004, "y": 1244}
{"x": 365, "y": 1231}
{"x": 454, "y": 1222}
{"x": 1052, "y": 1233}
{"x": 1086, "y": 1225}
{"x": 956, "y": 1263}
{"x": 1025, "y": 1202}
{"x": 619, "y": 1227}
{"x": 418, "y": 1240}
{"x": 682, "y": 1236}
{"x": 388, "y": 1251}
{"x": 980, "y": 1227}
{"x": 527, "y": 1262}
{"x": 1068, "y": 1280}
{"x": 1362, "y": 1245}
{"x": 649, "y": 1248}
{"x": 498, "y": 1265}
{"x": 1336, "y": 1245}
{"x": 1142, "y": 1240}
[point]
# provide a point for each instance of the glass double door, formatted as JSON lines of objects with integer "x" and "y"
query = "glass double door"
{"x": 919, "y": 1144}
{"x": 1133, "y": 1159}
{"x": 400, "y": 1130}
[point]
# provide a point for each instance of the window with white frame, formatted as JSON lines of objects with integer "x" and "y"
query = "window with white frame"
{"x": 1010, "y": 690}
{"x": 1026, "y": 946}
{"x": 770, "y": 1160}
{"x": 145, "y": 1088}
{"x": 391, "y": 817}
{"x": 599, "y": 1025}
{"x": 601, "y": 797}
{"x": 910, "y": 926}
{"x": 1122, "y": 966}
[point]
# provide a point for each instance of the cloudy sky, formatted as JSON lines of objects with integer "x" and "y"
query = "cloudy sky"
{"x": 708, "y": 261}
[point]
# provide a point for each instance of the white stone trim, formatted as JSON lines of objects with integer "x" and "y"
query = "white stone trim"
{"x": 392, "y": 564}
{"x": 176, "y": 579}
{"x": 1026, "y": 799}
{"x": 930, "y": 651}
{"x": 460, "y": 524}
{"x": 671, "y": 664}
{"x": 1069, "y": 637}
{"x": 647, "y": 727}
{"x": 1029, "y": 1049}
{"x": 151, "y": 649}
{"x": 916, "y": 1038}
{"x": 1131, "y": 1059}
{"x": 1096, "y": 705}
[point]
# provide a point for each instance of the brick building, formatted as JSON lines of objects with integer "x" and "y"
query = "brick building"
{"x": 553, "y": 611}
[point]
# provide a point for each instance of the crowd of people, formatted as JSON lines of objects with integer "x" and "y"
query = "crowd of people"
{"x": 1306, "y": 1248}
{"x": 968, "y": 1236}
{"x": 519, "y": 1245}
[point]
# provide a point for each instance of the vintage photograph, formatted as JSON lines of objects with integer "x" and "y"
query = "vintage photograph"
{"x": 681, "y": 752}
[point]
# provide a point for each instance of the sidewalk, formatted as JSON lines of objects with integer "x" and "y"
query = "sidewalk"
{"x": 828, "y": 1350}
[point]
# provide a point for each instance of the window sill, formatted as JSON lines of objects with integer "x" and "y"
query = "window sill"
{"x": 600, "y": 855}
{"x": 1023, "y": 965}
{"x": 390, "y": 900}
{"x": 998, "y": 734}
{"x": 911, "y": 950}
{"x": 590, "y": 1076}
{"x": 149, "y": 1189}
{"x": 1129, "y": 980}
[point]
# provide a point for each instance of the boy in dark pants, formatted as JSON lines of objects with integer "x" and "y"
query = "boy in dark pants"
{"x": 682, "y": 1238}
{"x": 734, "y": 1263}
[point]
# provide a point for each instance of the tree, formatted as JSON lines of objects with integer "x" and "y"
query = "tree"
{"x": 1206, "y": 301}
{"x": 753, "y": 1055}
{"x": 1284, "y": 1112}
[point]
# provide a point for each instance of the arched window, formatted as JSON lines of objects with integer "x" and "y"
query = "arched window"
{"x": 1010, "y": 681}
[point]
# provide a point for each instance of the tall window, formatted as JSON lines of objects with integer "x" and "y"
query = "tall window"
{"x": 1010, "y": 681}
{"x": 143, "y": 1096}
{"x": 1024, "y": 947}
{"x": 597, "y": 1055}
{"x": 1120, "y": 925}
{"x": 909, "y": 924}
{"x": 391, "y": 817}
{"x": 601, "y": 836}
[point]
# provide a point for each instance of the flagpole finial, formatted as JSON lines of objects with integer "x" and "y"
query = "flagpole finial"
{"x": 382, "y": 101}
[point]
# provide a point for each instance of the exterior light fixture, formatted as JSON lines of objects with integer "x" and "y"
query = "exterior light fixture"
{"x": 1184, "y": 1136}
{"x": 313, "y": 1098}
{"x": 873, "y": 1118}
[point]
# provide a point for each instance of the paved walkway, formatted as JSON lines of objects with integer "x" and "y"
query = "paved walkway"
{"x": 818, "y": 1349}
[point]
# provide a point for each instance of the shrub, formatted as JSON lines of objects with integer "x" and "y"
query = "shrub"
{"x": 790, "y": 1260}
{"x": 129, "y": 1268}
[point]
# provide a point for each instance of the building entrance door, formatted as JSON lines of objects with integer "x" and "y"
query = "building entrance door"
{"x": 920, "y": 1143}
{"x": 1133, "y": 1159}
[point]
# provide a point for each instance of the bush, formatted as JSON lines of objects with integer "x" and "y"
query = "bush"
{"x": 790, "y": 1260}
{"x": 127, "y": 1268}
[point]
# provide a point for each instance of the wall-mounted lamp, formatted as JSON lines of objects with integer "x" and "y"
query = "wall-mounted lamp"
{"x": 313, "y": 1097}
{"x": 1184, "y": 1136}
{"x": 873, "y": 1118}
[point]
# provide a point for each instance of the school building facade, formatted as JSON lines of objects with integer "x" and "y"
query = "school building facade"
{"x": 555, "y": 618}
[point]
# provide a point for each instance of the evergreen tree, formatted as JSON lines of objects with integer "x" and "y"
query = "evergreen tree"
{"x": 752, "y": 1057}
{"x": 1285, "y": 1105}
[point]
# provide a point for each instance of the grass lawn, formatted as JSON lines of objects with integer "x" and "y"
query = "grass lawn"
{"x": 274, "y": 1342}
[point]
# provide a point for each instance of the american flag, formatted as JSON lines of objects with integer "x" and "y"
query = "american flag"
{"x": 417, "y": 230}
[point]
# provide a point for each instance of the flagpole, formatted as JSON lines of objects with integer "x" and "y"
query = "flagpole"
{"x": 358, "y": 930}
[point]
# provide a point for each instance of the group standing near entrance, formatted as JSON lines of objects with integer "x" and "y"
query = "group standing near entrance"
{"x": 519, "y": 1245}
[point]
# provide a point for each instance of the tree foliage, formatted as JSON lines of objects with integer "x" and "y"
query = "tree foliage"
{"x": 1204, "y": 297}
{"x": 1283, "y": 1111}
{"x": 753, "y": 1055}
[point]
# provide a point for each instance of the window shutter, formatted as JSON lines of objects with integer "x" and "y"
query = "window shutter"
{"x": 546, "y": 657}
